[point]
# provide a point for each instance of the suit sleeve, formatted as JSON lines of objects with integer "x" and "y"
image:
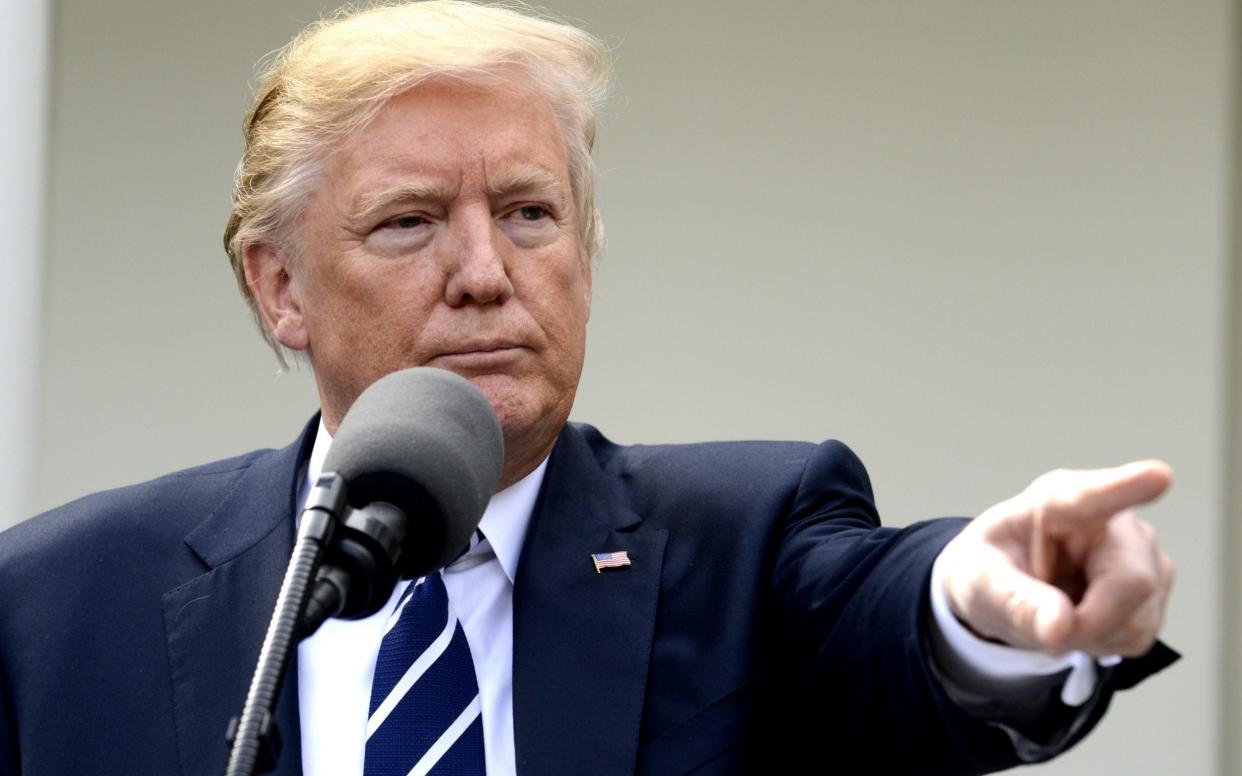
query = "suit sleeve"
{"x": 851, "y": 602}
{"x": 10, "y": 765}
{"x": 853, "y": 599}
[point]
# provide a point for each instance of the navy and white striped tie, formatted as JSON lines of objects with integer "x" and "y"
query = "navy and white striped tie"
{"x": 426, "y": 716}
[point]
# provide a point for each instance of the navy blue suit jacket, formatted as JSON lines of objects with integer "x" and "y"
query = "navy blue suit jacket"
{"x": 765, "y": 618}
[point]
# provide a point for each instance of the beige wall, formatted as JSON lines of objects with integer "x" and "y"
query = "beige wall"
{"x": 976, "y": 240}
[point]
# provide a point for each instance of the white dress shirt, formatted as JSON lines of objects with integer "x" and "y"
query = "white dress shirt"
{"x": 337, "y": 663}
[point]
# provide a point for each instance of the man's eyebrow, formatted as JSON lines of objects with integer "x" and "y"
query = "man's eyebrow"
{"x": 373, "y": 203}
{"x": 521, "y": 180}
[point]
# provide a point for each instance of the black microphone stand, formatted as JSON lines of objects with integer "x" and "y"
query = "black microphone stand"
{"x": 254, "y": 738}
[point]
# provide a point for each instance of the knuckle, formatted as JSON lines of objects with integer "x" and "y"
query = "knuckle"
{"x": 1125, "y": 526}
{"x": 1156, "y": 624}
{"x": 1136, "y": 636}
{"x": 1124, "y": 639}
{"x": 1051, "y": 482}
{"x": 1130, "y": 633}
{"x": 1014, "y": 609}
{"x": 1137, "y": 584}
{"x": 1149, "y": 531}
{"x": 991, "y": 520}
{"x": 1137, "y": 647}
{"x": 1057, "y": 641}
{"x": 1168, "y": 569}
{"x": 1017, "y": 618}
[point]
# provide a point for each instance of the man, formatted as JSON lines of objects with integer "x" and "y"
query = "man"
{"x": 416, "y": 190}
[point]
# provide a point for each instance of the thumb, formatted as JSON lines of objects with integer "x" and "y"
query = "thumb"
{"x": 1019, "y": 610}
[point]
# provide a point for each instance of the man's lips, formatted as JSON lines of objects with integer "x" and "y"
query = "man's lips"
{"x": 481, "y": 346}
{"x": 481, "y": 354}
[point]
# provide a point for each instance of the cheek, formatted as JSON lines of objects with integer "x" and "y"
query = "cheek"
{"x": 372, "y": 292}
{"x": 580, "y": 304}
{"x": 570, "y": 338}
{"x": 567, "y": 295}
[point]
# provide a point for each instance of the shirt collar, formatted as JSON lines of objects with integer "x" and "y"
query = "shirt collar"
{"x": 504, "y": 521}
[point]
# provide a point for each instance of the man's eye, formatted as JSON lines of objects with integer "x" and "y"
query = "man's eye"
{"x": 533, "y": 212}
{"x": 405, "y": 222}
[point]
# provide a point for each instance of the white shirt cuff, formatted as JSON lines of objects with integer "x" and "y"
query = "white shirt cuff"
{"x": 1001, "y": 663}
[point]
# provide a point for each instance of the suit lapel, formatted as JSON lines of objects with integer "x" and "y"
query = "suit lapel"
{"x": 215, "y": 623}
{"x": 582, "y": 639}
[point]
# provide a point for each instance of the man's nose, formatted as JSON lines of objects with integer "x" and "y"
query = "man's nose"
{"x": 479, "y": 274}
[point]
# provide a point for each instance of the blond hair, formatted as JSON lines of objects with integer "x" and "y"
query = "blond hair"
{"x": 333, "y": 78}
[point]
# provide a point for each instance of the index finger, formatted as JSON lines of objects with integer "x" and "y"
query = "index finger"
{"x": 1102, "y": 493}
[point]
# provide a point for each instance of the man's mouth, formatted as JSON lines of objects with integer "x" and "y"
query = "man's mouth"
{"x": 481, "y": 346}
{"x": 480, "y": 354}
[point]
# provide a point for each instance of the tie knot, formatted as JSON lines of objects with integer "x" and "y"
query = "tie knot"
{"x": 477, "y": 550}
{"x": 475, "y": 538}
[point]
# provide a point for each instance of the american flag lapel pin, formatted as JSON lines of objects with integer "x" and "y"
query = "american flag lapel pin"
{"x": 610, "y": 560}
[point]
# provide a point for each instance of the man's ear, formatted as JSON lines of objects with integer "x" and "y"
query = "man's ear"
{"x": 275, "y": 293}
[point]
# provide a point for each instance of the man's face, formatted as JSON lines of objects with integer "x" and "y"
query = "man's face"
{"x": 444, "y": 235}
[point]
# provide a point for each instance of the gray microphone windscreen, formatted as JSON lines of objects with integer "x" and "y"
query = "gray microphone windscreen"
{"x": 428, "y": 442}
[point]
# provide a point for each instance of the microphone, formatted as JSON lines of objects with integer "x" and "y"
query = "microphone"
{"x": 410, "y": 471}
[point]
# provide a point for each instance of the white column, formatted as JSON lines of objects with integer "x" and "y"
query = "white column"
{"x": 24, "y": 84}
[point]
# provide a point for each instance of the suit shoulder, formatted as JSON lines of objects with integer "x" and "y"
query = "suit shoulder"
{"x": 149, "y": 509}
{"x": 730, "y": 471}
{"x": 718, "y": 460}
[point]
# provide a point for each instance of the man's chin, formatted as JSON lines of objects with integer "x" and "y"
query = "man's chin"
{"x": 527, "y": 418}
{"x": 506, "y": 396}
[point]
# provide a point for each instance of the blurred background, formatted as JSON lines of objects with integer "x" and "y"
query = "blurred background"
{"x": 975, "y": 239}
